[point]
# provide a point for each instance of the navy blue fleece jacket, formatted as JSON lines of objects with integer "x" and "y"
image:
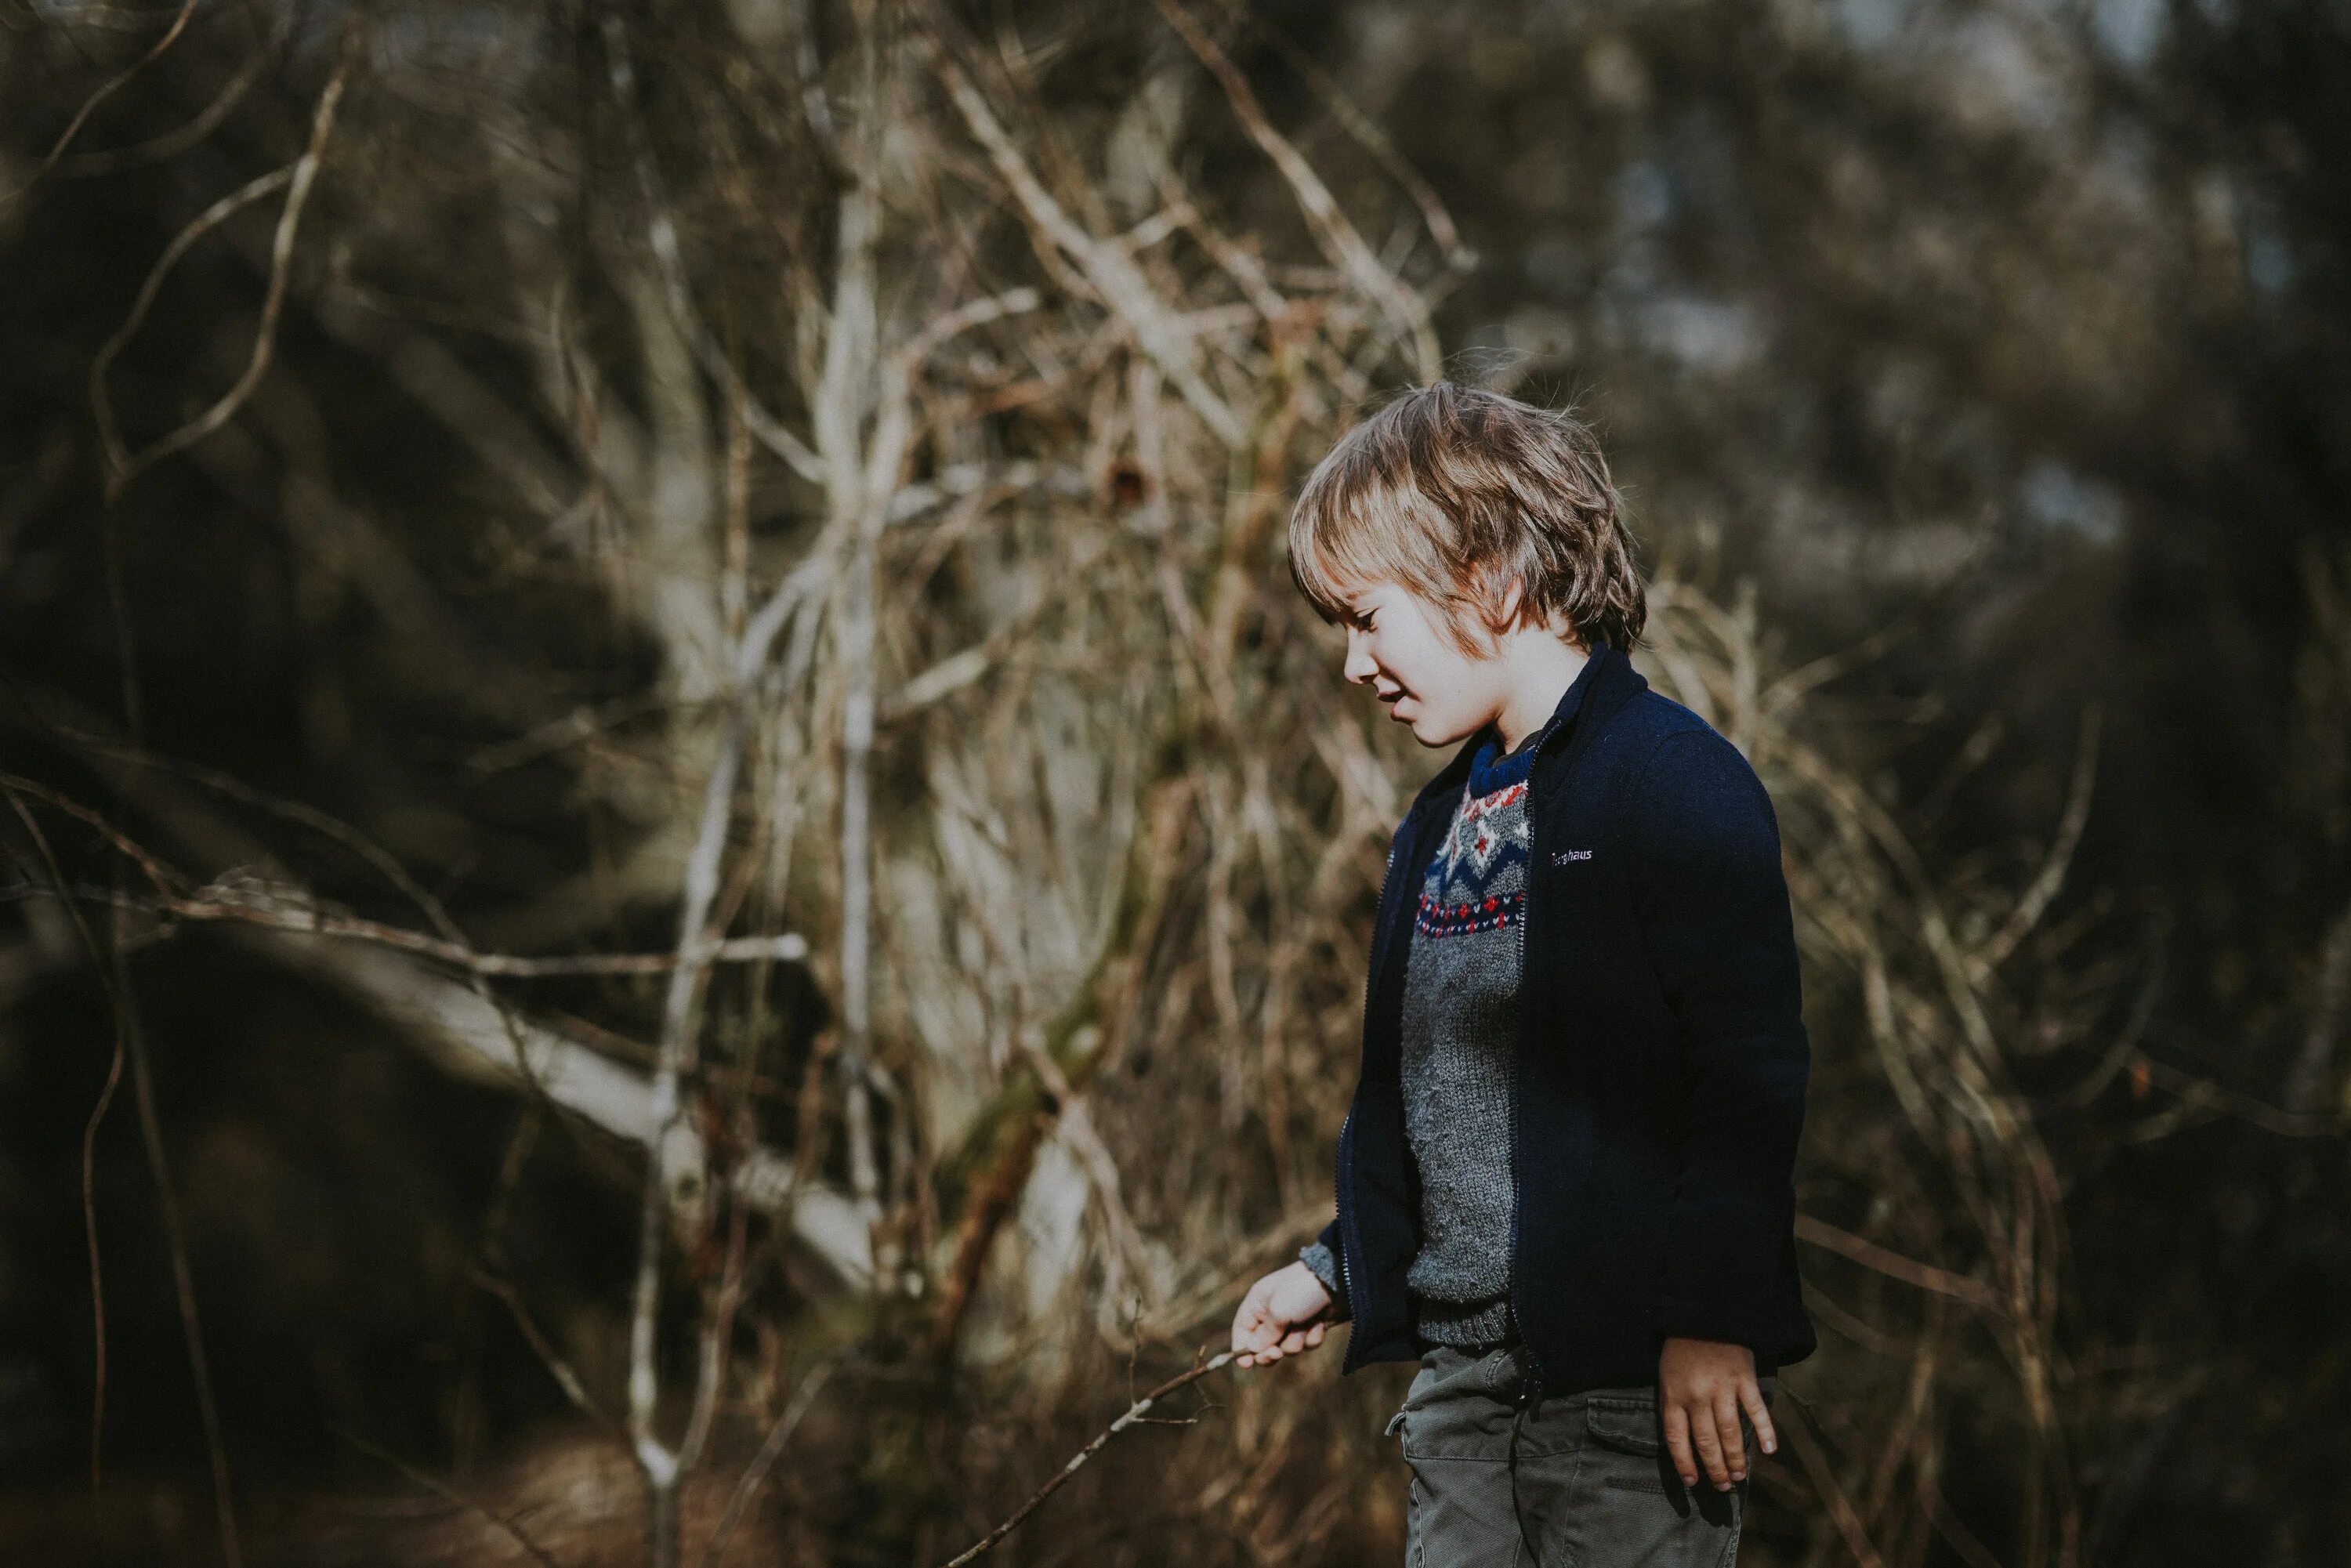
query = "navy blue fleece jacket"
{"x": 1660, "y": 1063}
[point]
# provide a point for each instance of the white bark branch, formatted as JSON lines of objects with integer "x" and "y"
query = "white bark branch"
{"x": 465, "y": 1036}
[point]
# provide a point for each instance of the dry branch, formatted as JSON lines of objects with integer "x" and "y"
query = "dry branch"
{"x": 1114, "y": 276}
{"x": 469, "y": 1036}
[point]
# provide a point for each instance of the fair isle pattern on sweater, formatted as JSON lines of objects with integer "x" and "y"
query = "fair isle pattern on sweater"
{"x": 1477, "y": 881}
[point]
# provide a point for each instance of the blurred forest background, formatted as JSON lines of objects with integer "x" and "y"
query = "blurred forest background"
{"x": 682, "y": 883}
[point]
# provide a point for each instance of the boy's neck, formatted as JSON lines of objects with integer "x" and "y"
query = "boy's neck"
{"x": 1541, "y": 665}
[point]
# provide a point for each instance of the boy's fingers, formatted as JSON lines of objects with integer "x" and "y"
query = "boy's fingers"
{"x": 1761, "y": 1413}
{"x": 1314, "y": 1332}
{"x": 1253, "y": 1329}
{"x": 1677, "y": 1444}
{"x": 1264, "y": 1330}
{"x": 1734, "y": 1442}
{"x": 1710, "y": 1447}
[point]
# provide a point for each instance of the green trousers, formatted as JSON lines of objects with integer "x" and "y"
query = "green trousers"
{"x": 1576, "y": 1480}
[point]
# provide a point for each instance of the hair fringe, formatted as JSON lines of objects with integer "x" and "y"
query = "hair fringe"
{"x": 1453, "y": 491}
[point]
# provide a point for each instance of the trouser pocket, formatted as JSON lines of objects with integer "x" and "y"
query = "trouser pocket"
{"x": 1629, "y": 1423}
{"x": 1629, "y": 1504}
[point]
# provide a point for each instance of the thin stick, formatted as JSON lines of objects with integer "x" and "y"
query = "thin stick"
{"x": 662, "y": 233}
{"x": 1894, "y": 1266}
{"x": 1373, "y": 139}
{"x": 184, "y": 1284}
{"x": 1821, "y": 1469}
{"x": 754, "y": 1476}
{"x": 115, "y": 978}
{"x": 1114, "y": 276}
{"x": 89, "y": 1143}
{"x": 556, "y": 1367}
{"x": 2035, "y": 901}
{"x": 303, "y": 174}
{"x": 105, "y": 91}
{"x": 109, "y": 432}
{"x": 171, "y": 143}
{"x": 1135, "y": 1413}
{"x": 1333, "y": 232}
{"x": 665, "y": 1151}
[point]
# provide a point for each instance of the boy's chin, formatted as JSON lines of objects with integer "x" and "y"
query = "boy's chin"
{"x": 1434, "y": 732}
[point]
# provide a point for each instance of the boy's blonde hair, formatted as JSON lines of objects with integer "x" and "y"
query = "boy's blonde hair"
{"x": 1452, "y": 491}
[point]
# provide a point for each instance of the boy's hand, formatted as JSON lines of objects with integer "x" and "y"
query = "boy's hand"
{"x": 1702, "y": 1385}
{"x": 1282, "y": 1315}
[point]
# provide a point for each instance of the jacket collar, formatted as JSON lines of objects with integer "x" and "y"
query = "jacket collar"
{"x": 1606, "y": 684}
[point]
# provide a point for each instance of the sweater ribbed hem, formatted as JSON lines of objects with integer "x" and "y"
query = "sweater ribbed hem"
{"x": 1467, "y": 1325}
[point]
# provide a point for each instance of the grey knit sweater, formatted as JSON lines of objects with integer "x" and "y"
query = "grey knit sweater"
{"x": 1461, "y": 1018}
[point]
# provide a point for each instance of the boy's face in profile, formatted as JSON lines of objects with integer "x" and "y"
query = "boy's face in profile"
{"x": 1397, "y": 644}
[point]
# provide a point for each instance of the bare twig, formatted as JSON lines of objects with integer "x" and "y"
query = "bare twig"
{"x": 124, "y": 468}
{"x": 128, "y": 1043}
{"x": 1822, "y": 1470}
{"x": 171, "y": 143}
{"x": 1135, "y": 1413}
{"x": 1368, "y": 135}
{"x": 107, "y": 90}
{"x": 673, "y": 1165}
{"x": 1112, "y": 272}
{"x": 102, "y": 407}
{"x": 1406, "y": 311}
{"x": 511, "y": 1529}
{"x": 2042, "y": 890}
{"x": 557, "y": 1366}
{"x": 183, "y": 1285}
{"x": 1894, "y": 1266}
{"x": 662, "y": 235}
{"x": 88, "y": 1137}
{"x": 755, "y": 1474}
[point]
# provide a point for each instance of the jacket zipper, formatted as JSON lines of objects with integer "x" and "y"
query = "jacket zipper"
{"x": 1531, "y": 1385}
{"x": 1346, "y": 1294}
{"x": 1340, "y": 1171}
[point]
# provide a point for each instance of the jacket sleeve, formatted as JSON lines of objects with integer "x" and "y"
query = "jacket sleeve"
{"x": 1713, "y": 905}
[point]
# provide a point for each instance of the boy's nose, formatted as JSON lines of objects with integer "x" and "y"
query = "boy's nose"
{"x": 1359, "y": 666}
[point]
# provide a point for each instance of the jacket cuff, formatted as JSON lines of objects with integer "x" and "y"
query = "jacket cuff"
{"x": 1724, "y": 1323}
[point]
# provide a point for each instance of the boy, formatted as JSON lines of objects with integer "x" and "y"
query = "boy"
{"x": 1564, "y": 1184}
